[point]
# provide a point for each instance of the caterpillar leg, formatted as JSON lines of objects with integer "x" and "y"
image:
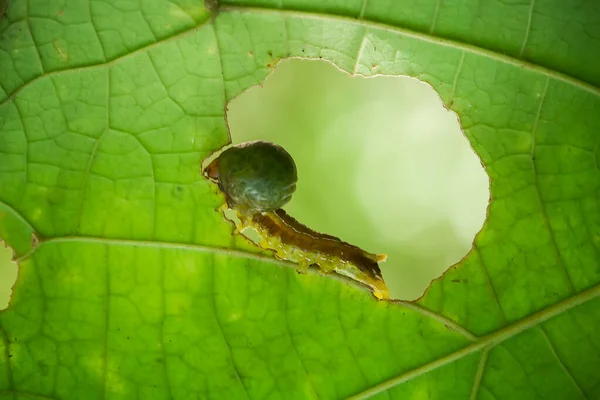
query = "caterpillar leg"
{"x": 303, "y": 266}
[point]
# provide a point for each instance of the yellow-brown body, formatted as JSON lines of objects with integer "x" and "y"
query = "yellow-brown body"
{"x": 292, "y": 241}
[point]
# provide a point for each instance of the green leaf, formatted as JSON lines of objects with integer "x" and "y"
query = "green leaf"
{"x": 131, "y": 285}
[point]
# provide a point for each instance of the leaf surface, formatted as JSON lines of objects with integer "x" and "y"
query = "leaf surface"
{"x": 131, "y": 285}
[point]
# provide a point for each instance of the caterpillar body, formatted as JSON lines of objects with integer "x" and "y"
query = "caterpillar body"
{"x": 293, "y": 241}
{"x": 257, "y": 178}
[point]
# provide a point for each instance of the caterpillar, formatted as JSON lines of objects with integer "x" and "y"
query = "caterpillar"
{"x": 257, "y": 178}
{"x": 254, "y": 176}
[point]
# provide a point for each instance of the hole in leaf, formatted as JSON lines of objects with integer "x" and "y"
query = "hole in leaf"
{"x": 249, "y": 233}
{"x": 381, "y": 164}
{"x": 8, "y": 275}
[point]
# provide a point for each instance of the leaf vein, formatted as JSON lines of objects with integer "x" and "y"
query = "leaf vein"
{"x": 96, "y": 34}
{"x": 14, "y": 93}
{"x": 102, "y": 392}
{"x": 18, "y": 215}
{"x": 293, "y": 342}
{"x": 220, "y": 326}
{"x": 436, "y": 12}
{"x": 561, "y": 363}
{"x": 537, "y": 188}
{"x": 7, "y": 357}
{"x": 85, "y": 181}
{"x": 490, "y": 283}
{"x": 37, "y": 50}
{"x": 428, "y": 38}
{"x": 489, "y": 340}
{"x": 527, "y": 28}
{"x": 162, "y": 329}
{"x": 363, "y": 8}
{"x": 479, "y": 374}
{"x": 439, "y": 318}
{"x": 222, "y": 74}
{"x": 242, "y": 254}
{"x": 345, "y": 336}
{"x": 363, "y": 44}
{"x": 455, "y": 80}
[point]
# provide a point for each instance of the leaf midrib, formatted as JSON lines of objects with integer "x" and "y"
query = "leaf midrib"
{"x": 488, "y": 341}
{"x": 264, "y": 258}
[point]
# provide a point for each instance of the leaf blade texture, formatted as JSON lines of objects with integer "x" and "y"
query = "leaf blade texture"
{"x": 134, "y": 287}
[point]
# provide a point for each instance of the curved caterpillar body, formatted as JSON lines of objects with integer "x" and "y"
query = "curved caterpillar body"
{"x": 292, "y": 241}
{"x": 257, "y": 178}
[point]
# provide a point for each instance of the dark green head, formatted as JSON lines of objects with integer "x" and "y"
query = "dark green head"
{"x": 255, "y": 176}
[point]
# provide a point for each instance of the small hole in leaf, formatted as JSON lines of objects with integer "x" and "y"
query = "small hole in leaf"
{"x": 381, "y": 164}
{"x": 249, "y": 233}
{"x": 8, "y": 275}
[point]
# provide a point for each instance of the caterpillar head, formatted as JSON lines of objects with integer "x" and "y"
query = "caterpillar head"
{"x": 254, "y": 176}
